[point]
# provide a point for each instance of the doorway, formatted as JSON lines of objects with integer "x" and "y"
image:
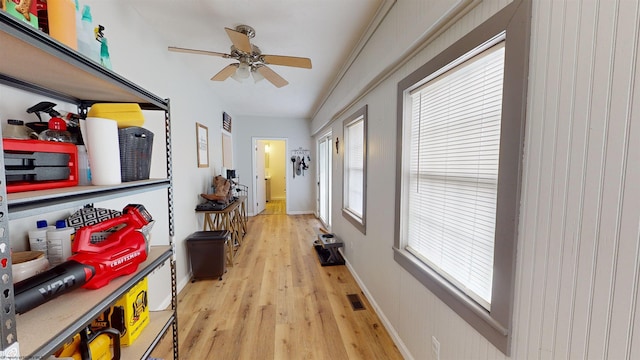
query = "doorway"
{"x": 270, "y": 181}
{"x": 324, "y": 180}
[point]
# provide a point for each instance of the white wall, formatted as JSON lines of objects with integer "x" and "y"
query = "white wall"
{"x": 578, "y": 247}
{"x": 300, "y": 196}
{"x": 139, "y": 55}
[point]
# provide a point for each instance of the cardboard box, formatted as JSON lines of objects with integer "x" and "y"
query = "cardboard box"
{"x": 24, "y": 10}
{"x": 129, "y": 315}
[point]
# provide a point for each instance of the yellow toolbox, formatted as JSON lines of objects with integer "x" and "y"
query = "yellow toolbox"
{"x": 125, "y": 114}
{"x": 129, "y": 315}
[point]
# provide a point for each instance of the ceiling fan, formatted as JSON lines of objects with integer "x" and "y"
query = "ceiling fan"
{"x": 250, "y": 59}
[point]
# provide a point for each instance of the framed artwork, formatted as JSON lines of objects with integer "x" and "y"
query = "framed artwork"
{"x": 202, "y": 142}
{"x": 227, "y": 151}
{"x": 226, "y": 121}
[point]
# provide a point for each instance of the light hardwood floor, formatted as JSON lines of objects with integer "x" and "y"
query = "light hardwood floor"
{"x": 275, "y": 207}
{"x": 277, "y": 302}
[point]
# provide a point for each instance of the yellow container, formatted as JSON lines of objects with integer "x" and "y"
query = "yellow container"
{"x": 130, "y": 314}
{"x": 125, "y": 114}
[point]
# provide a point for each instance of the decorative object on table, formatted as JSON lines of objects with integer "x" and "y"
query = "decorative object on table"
{"x": 221, "y": 190}
{"x": 202, "y": 143}
{"x": 250, "y": 59}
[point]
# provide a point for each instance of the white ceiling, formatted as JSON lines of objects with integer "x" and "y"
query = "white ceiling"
{"x": 326, "y": 31}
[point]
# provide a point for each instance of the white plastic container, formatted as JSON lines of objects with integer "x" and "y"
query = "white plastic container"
{"x": 59, "y": 243}
{"x": 38, "y": 237}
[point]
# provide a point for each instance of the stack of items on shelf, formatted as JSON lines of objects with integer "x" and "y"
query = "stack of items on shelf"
{"x": 117, "y": 127}
{"x": 44, "y": 155}
{"x": 117, "y": 326}
{"x": 91, "y": 262}
{"x": 65, "y": 21}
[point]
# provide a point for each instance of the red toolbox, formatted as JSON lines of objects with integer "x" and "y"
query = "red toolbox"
{"x": 39, "y": 165}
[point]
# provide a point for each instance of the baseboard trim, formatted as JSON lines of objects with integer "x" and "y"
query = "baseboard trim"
{"x": 385, "y": 322}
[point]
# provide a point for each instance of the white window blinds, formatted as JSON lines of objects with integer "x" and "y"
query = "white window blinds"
{"x": 453, "y": 168}
{"x": 355, "y": 166}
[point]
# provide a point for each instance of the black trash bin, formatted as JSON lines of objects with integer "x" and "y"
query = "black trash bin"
{"x": 207, "y": 253}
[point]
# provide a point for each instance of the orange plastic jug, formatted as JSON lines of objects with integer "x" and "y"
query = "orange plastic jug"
{"x": 62, "y": 22}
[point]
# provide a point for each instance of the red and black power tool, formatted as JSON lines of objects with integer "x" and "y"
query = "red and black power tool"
{"x": 93, "y": 265}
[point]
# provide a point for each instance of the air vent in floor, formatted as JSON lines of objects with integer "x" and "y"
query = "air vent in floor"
{"x": 355, "y": 302}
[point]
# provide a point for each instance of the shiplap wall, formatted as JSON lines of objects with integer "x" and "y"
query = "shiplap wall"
{"x": 579, "y": 243}
{"x": 577, "y": 288}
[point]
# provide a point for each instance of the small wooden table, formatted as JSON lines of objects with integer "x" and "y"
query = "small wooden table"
{"x": 232, "y": 218}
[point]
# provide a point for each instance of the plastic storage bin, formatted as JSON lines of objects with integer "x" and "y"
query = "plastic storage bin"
{"x": 135, "y": 153}
{"x": 125, "y": 114}
{"x": 207, "y": 253}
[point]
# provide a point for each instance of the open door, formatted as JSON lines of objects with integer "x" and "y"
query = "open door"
{"x": 260, "y": 185}
{"x": 324, "y": 180}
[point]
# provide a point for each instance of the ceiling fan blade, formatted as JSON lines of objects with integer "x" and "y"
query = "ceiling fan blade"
{"x": 271, "y": 75}
{"x": 287, "y": 61}
{"x": 225, "y": 72}
{"x": 239, "y": 40}
{"x": 199, "y": 52}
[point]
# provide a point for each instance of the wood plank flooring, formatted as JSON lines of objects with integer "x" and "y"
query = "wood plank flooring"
{"x": 275, "y": 207}
{"x": 277, "y": 302}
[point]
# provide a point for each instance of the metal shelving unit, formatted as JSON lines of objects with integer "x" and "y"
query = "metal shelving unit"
{"x": 32, "y": 61}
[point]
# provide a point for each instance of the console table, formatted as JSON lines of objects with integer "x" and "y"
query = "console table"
{"x": 232, "y": 218}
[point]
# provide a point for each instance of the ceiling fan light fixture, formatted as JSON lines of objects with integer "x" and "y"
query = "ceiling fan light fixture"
{"x": 257, "y": 76}
{"x": 243, "y": 71}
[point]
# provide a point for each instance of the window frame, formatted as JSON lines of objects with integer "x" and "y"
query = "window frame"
{"x": 495, "y": 324}
{"x": 359, "y": 222}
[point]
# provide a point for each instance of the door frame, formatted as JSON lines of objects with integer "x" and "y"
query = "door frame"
{"x": 325, "y": 137}
{"x": 254, "y": 184}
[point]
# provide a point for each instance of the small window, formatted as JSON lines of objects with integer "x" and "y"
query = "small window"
{"x": 355, "y": 169}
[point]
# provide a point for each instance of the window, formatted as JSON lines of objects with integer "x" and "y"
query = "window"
{"x": 460, "y": 121}
{"x": 453, "y": 171}
{"x": 355, "y": 169}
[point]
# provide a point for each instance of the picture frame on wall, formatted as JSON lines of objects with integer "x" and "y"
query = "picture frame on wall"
{"x": 226, "y": 122}
{"x": 202, "y": 143}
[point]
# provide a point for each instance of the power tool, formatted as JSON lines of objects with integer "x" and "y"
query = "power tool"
{"x": 92, "y": 346}
{"x": 94, "y": 263}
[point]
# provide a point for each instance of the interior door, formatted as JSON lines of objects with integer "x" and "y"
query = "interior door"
{"x": 324, "y": 180}
{"x": 260, "y": 184}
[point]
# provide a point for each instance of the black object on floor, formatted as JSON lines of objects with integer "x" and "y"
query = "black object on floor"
{"x": 326, "y": 258}
{"x": 207, "y": 253}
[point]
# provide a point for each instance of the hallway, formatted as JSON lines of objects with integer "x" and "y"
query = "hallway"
{"x": 277, "y": 302}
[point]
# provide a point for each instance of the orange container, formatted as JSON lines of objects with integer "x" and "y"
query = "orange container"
{"x": 62, "y": 22}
